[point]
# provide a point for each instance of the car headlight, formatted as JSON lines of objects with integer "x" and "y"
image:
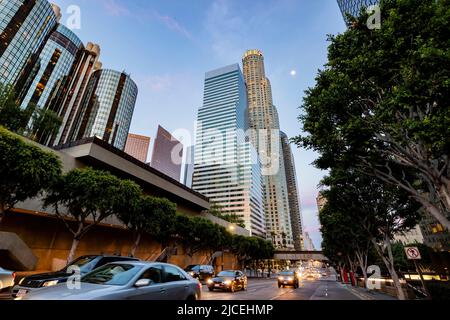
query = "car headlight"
{"x": 210, "y": 281}
{"x": 290, "y": 279}
{"x": 50, "y": 283}
{"x": 281, "y": 278}
{"x": 227, "y": 282}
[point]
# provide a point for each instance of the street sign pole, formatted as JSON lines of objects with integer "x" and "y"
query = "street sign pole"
{"x": 422, "y": 280}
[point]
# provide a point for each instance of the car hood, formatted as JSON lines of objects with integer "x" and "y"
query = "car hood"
{"x": 88, "y": 291}
{"x": 222, "y": 279}
{"x": 48, "y": 276}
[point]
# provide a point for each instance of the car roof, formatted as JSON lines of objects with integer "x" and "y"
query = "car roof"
{"x": 143, "y": 263}
{"x": 107, "y": 256}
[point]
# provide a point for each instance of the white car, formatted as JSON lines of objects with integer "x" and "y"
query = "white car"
{"x": 6, "y": 279}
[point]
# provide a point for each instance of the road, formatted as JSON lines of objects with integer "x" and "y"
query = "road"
{"x": 267, "y": 289}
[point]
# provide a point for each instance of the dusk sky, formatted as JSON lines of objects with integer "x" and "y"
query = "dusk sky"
{"x": 168, "y": 45}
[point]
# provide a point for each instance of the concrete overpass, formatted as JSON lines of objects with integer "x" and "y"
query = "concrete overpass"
{"x": 300, "y": 256}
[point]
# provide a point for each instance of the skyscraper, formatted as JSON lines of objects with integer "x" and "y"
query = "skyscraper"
{"x": 354, "y": 7}
{"x": 71, "y": 96}
{"x": 293, "y": 195}
{"x": 189, "y": 166}
{"x": 137, "y": 146}
{"x": 227, "y": 169}
{"x": 266, "y": 137}
{"x": 25, "y": 26}
{"x": 107, "y": 108}
{"x": 167, "y": 156}
{"x": 52, "y": 72}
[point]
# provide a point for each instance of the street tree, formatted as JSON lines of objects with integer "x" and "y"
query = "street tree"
{"x": 382, "y": 210}
{"x": 382, "y": 102}
{"x": 83, "y": 198}
{"x": 12, "y": 116}
{"x": 26, "y": 170}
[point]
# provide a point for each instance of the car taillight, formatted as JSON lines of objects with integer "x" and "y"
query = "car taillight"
{"x": 14, "y": 275}
{"x": 200, "y": 285}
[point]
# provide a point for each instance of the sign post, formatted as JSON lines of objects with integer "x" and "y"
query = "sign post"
{"x": 413, "y": 253}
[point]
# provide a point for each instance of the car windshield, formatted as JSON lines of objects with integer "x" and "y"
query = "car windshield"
{"x": 81, "y": 262}
{"x": 112, "y": 274}
{"x": 227, "y": 274}
{"x": 286, "y": 273}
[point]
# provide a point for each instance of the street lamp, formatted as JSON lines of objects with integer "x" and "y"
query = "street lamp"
{"x": 231, "y": 228}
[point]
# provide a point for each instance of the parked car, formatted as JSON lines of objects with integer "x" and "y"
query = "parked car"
{"x": 127, "y": 280}
{"x": 288, "y": 278}
{"x": 232, "y": 280}
{"x": 200, "y": 272}
{"x": 85, "y": 264}
{"x": 6, "y": 279}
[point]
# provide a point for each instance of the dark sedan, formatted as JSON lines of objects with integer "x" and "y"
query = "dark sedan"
{"x": 288, "y": 278}
{"x": 231, "y": 280}
{"x": 84, "y": 264}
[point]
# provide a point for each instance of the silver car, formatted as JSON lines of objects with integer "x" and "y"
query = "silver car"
{"x": 6, "y": 279}
{"x": 135, "y": 280}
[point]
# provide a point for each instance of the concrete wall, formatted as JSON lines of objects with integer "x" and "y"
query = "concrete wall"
{"x": 50, "y": 242}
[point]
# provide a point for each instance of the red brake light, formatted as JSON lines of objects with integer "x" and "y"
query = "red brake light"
{"x": 199, "y": 285}
{"x": 14, "y": 275}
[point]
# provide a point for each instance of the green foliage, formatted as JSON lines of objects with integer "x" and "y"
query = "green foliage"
{"x": 12, "y": 116}
{"x": 216, "y": 210}
{"x": 382, "y": 102}
{"x": 44, "y": 123}
{"x": 25, "y": 171}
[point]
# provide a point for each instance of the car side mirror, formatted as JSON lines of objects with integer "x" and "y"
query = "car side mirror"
{"x": 142, "y": 283}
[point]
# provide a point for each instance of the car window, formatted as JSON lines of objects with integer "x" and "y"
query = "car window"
{"x": 82, "y": 262}
{"x": 226, "y": 274}
{"x": 106, "y": 260}
{"x": 112, "y": 274}
{"x": 173, "y": 274}
{"x": 154, "y": 274}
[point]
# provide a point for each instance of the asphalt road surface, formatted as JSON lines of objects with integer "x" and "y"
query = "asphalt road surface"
{"x": 267, "y": 289}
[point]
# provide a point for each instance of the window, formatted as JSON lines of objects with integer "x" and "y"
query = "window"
{"x": 154, "y": 274}
{"x": 173, "y": 274}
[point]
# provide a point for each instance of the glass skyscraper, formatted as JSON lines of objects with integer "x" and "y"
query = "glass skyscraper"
{"x": 55, "y": 63}
{"x": 353, "y": 7}
{"x": 293, "y": 195}
{"x": 227, "y": 169}
{"x": 25, "y": 26}
{"x": 266, "y": 136}
{"x": 107, "y": 108}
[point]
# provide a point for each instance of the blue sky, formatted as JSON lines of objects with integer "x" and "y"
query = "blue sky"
{"x": 168, "y": 45}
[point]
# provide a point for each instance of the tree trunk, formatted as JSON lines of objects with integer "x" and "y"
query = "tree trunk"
{"x": 363, "y": 264}
{"x": 73, "y": 250}
{"x": 136, "y": 244}
{"x": 2, "y": 214}
{"x": 389, "y": 263}
{"x": 436, "y": 213}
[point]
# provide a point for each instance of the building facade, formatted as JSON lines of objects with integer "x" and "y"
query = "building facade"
{"x": 107, "y": 108}
{"x": 71, "y": 96}
{"x": 137, "y": 146}
{"x": 434, "y": 234}
{"x": 167, "y": 155}
{"x": 309, "y": 244}
{"x": 227, "y": 169}
{"x": 412, "y": 236}
{"x": 354, "y": 7}
{"x": 188, "y": 171}
{"x": 266, "y": 137}
{"x": 293, "y": 193}
{"x": 25, "y": 27}
{"x": 54, "y": 66}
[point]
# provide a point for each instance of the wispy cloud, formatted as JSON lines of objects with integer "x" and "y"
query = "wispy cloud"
{"x": 173, "y": 24}
{"x": 114, "y": 8}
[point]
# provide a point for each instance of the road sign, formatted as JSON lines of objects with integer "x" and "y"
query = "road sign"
{"x": 413, "y": 253}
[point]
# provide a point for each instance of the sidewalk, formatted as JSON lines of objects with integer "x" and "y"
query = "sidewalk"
{"x": 364, "y": 294}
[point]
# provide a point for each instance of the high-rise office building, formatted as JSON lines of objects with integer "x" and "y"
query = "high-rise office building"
{"x": 293, "y": 194}
{"x": 55, "y": 63}
{"x": 266, "y": 137}
{"x": 227, "y": 169}
{"x": 137, "y": 146}
{"x": 188, "y": 171}
{"x": 107, "y": 108}
{"x": 309, "y": 244}
{"x": 167, "y": 155}
{"x": 25, "y": 26}
{"x": 354, "y": 7}
{"x": 71, "y": 96}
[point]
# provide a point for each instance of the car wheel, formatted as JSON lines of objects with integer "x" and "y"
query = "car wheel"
{"x": 211, "y": 289}
{"x": 191, "y": 298}
{"x": 279, "y": 286}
